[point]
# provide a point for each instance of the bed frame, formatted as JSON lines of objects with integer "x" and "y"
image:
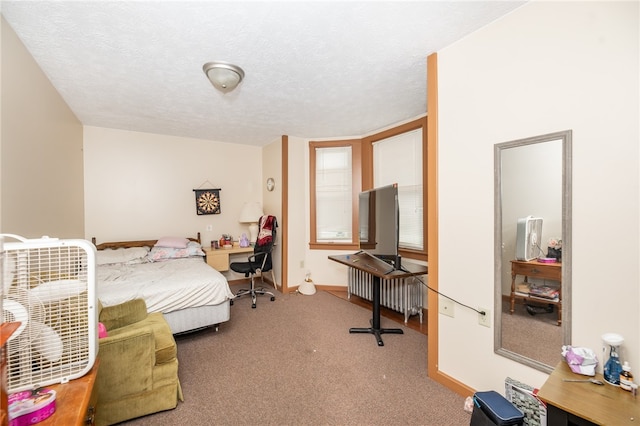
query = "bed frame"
{"x": 129, "y": 244}
{"x": 184, "y": 320}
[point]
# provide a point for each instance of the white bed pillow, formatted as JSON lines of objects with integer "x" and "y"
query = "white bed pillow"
{"x": 129, "y": 256}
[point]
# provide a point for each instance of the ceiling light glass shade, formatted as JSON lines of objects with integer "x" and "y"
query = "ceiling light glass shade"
{"x": 224, "y": 77}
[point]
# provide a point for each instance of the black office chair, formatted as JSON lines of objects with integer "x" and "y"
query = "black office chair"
{"x": 260, "y": 261}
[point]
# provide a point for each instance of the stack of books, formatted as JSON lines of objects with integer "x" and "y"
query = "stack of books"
{"x": 543, "y": 291}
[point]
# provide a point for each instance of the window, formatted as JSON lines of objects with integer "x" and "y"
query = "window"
{"x": 339, "y": 170}
{"x": 335, "y": 185}
{"x": 398, "y": 159}
{"x": 398, "y": 155}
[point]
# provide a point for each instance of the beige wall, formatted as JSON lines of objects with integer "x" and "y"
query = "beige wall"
{"x": 272, "y": 200}
{"x": 302, "y": 259}
{"x": 546, "y": 67}
{"x": 140, "y": 185}
{"x": 298, "y": 205}
{"x": 41, "y": 145}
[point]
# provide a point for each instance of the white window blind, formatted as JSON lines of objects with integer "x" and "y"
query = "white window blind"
{"x": 398, "y": 159}
{"x": 333, "y": 194}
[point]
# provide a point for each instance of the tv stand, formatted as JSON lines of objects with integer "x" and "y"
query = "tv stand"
{"x": 375, "y": 328}
{"x": 392, "y": 259}
{"x": 358, "y": 261}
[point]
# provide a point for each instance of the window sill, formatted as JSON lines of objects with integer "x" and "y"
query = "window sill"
{"x": 333, "y": 246}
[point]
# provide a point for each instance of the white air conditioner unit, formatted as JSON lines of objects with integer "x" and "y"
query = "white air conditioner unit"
{"x": 48, "y": 285}
{"x": 528, "y": 236}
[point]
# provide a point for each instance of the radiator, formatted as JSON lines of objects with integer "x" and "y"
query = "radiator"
{"x": 401, "y": 295}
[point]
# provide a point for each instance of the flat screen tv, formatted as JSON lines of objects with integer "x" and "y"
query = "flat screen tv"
{"x": 379, "y": 223}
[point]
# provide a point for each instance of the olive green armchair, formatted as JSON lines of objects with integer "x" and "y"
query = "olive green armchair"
{"x": 138, "y": 373}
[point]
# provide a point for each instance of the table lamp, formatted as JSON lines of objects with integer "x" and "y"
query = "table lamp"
{"x": 251, "y": 213}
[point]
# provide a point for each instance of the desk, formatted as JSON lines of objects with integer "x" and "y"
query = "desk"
{"x": 219, "y": 258}
{"x": 570, "y": 403}
{"x": 363, "y": 263}
{"x": 535, "y": 269}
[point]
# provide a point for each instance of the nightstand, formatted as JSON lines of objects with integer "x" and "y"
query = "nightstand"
{"x": 535, "y": 269}
{"x": 6, "y": 330}
{"x": 76, "y": 401}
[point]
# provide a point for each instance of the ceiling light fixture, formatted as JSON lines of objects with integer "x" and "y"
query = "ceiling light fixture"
{"x": 224, "y": 76}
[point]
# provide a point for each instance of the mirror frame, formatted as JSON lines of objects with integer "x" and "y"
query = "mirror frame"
{"x": 566, "y": 138}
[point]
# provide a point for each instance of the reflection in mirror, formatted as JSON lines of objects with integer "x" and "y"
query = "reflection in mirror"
{"x": 533, "y": 249}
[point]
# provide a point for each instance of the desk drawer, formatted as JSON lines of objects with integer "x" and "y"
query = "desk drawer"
{"x": 537, "y": 271}
{"x": 218, "y": 261}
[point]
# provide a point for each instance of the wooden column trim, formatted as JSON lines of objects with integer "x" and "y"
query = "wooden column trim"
{"x": 284, "y": 220}
{"x": 432, "y": 213}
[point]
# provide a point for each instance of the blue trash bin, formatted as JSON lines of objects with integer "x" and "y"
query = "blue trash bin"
{"x": 490, "y": 409}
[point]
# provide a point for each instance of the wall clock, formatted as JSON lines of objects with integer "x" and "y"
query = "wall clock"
{"x": 207, "y": 201}
{"x": 271, "y": 184}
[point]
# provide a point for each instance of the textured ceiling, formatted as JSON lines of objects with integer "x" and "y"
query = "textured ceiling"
{"x": 313, "y": 69}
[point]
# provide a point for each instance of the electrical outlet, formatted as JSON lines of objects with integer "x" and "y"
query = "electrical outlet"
{"x": 485, "y": 319}
{"x": 446, "y": 306}
{"x": 302, "y": 264}
{"x": 209, "y": 227}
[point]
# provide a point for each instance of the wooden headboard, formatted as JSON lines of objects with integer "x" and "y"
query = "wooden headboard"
{"x": 128, "y": 244}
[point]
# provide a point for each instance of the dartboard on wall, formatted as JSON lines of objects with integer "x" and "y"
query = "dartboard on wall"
{"x": 207, "y": 201}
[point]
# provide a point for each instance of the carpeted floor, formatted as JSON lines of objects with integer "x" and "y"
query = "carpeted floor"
{"x": 538, "y": 337}
{"x": 293, "y": 362}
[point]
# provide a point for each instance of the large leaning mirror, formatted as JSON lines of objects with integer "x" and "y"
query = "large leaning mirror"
{"x": 533, "y": 249}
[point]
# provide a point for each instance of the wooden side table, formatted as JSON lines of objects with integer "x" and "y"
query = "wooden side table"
{"x": 535, "y": 269}
{"x": 76, "y": 401}
{"x": 218, "y": 259}
{"x": 6, "y": 330}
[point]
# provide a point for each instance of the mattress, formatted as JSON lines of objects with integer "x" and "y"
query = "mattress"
{"x": 166, "y": 287}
